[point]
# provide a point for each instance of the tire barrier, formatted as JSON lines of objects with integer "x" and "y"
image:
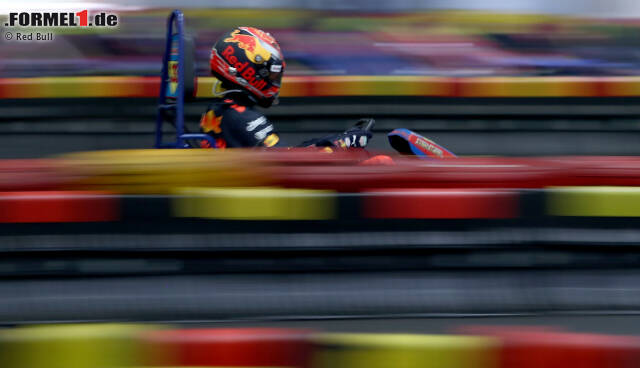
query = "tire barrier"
{"x": 320, "y": 86}
{"x": 594, "y": 201}
{"x": 440, "y": 204}
{"x": 272, "y": 204}
{"x": 53, "y": 207}
{"x": 113, "y": 345}
{"x": 255, "y": 204}
{"x": 71, "y": 346}
{"x": 175, "y": 187}
{"x": 526, "y": 347}
{"x": 22, "y": 175}
{"x": 398, "y": 350}
{"x": 162, "y": 171}
{"x": 241, "y": 347}
{"x": 411, "y": 173}
{"x": 288, "y": 204}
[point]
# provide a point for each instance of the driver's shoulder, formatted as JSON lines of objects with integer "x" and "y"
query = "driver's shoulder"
{"x": 231, "y": 110}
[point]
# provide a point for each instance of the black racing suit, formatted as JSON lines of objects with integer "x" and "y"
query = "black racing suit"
{"x": 233, "y": 122}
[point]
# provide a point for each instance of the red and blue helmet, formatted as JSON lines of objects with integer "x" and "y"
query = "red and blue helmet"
{"x": 249, "y": 59}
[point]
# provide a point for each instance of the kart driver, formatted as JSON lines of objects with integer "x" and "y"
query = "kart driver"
{"x": 249, "y": 65}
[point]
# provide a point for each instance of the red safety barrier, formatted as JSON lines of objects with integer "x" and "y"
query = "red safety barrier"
{"x": 497, "y": 172}
{"x": 30, "y": 174}
{"x": 534, "y": 348}
{"x": 243, "y": 347}
{"x": 343, "y": 171}
{"x": 494, "y": 330}
{"x": 416, "y": 173}
{"x": 52, "y": 206}
{"x": 440, "y": 204}
{"x": 308, "y": 156}
{"x": 599, "y": 170}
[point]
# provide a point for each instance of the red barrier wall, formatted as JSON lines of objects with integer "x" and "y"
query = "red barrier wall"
{"x": 440, "y": 204}
{"x": 524, "y": 347}
{"x": 243, "y": 347}
{"x": 54, "y": 206}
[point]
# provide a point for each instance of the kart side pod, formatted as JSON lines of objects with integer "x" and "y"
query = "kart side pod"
{"x": 177, "y": 85}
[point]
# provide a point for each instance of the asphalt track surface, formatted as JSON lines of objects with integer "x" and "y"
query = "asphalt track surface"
{"x": 627, "y": 324}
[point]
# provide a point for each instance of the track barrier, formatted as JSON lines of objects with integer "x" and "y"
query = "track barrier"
{"x": 116, "y": 345}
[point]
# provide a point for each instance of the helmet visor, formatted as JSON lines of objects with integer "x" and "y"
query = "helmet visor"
{"x": 275, "y": 74}
{"x": 275, "y": 78}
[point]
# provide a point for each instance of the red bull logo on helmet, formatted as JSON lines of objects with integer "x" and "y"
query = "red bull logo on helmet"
{"x": 266, "y": 37}
{"x": 243, "y": 69}
{"x": 253, "y": 47}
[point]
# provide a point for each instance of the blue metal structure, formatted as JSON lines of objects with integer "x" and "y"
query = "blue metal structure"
{"x": 172, "y": 87}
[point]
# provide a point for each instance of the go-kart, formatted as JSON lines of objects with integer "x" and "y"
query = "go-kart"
{"x": 177, "y": 86}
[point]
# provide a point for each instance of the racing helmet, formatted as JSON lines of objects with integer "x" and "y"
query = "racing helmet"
{"x": 249, "y": 60}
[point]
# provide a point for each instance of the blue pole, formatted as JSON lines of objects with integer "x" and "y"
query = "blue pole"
{"x": 164, "y": 77}
{"x": 179, "y": 17}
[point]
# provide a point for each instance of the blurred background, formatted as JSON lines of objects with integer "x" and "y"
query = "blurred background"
{"x": 474, "y": 76}
{"x": 435, "y": 38}
{"x": 304, "y": 259}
